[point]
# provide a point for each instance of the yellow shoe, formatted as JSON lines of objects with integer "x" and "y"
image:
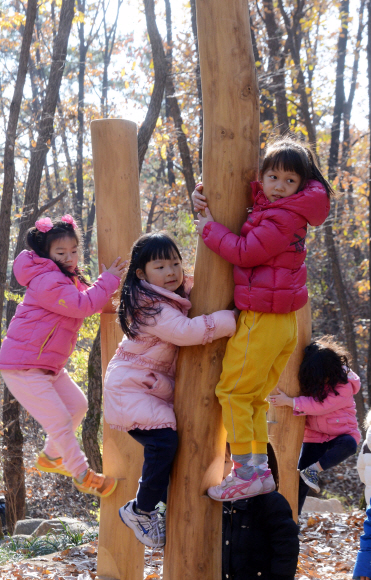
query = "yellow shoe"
{"x": 96, "y": 484}
{"x": 43, "y": 463}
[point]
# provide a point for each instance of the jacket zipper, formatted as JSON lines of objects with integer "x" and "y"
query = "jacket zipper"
{"x": 45, "y": 341}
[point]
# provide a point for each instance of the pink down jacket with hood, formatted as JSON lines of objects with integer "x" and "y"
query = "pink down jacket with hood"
{"x": 335, "y": 416}
{"x": 43, "y": 331}
{"x": 268, "y": 256}
{"x": 139, "y": 382}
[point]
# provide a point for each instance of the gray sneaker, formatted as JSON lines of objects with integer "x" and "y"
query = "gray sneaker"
{"x": 311, "y": 478}
{"x": 147, "y": 529}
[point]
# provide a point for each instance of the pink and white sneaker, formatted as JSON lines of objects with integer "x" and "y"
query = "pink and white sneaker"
{"x": 233, "y": 488}
{"x": 267, "y": 482}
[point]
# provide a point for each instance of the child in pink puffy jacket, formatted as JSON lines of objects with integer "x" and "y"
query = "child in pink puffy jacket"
{"x": 40, "y": 338}
{"x": 270, "y": 276}
{"x": 139, "y": 383}
{"x": 331, "y": 432}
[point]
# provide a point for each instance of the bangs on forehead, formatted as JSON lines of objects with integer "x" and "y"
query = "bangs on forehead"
{"x": 286, "y": 160}
{"x": 161, "y": 248}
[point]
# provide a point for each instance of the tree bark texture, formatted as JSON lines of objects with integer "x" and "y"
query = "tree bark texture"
{"x": 11, "y": 133}
{"x": 333, "y": 165}
{"x": 13, "y": 453}
{"x": 176, "y": 114}
{"x": 199, "y": 86}
{"x": 160, "y": 67}
{"x": 292, "y": 29}
{"x": 277, "y": 85}
{"x": 15, "y": 492}
{"x": 80, "y": 118}
{"x": 91, "y": 423}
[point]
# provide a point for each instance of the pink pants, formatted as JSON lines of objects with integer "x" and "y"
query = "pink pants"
{"x": 59, "y": 405}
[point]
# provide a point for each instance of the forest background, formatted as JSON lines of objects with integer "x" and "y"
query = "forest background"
{"x": 64, "y": 63}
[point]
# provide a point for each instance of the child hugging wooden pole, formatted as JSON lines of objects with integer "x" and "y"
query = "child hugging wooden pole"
{"x": 230, "y": 162}
{"x": 116, "y": 179}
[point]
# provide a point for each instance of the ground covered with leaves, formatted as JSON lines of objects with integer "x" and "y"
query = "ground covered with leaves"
{"x": 328, "y": 547}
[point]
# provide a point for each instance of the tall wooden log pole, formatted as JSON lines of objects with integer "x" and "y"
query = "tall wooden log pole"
{"x": 116, "y": 178}
{"x": 285, "y": 430}
{"x": 230, "y": 162}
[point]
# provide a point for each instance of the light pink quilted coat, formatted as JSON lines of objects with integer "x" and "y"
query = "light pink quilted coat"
{"x": 335, "y": 416}
{"x": 139, "y": 382}
{"x": 43, "y": 331}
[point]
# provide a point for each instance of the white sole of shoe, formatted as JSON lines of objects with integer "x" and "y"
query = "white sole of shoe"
{"x": 316, "y": 488}
{"x": 136, "y": 531}
{"x": 245, "y": 496}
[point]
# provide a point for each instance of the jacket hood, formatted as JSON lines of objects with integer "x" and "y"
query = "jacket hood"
{"x": 183, "y": 302}
{"x": 355, "y": 381}
{"x": 28, "y": 264}
{"x": 312, "y": 202}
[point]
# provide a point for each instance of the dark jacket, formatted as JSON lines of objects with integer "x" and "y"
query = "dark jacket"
{"x": 260, "y": 539}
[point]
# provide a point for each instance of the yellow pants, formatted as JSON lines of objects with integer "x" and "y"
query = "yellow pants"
{"x": 253, "y": 362}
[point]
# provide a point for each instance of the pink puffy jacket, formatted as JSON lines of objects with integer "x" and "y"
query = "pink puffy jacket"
{"x": 335, "y": 416}
{"x": 268, "y": 256}
{"x": 139, "y": 382}
{"x": 43, "y": 331}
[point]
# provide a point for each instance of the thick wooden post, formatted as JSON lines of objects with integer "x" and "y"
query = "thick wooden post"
{"x": 116, "y": 178}
{"x": 230, "y": 162}
{"x": 285, "y": 430}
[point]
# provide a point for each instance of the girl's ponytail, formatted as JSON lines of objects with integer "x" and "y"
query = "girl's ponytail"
{"x": 316, "y": 172}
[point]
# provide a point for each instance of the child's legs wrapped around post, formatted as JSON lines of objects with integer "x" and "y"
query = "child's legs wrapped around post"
{"x": 254, "y": 360}
{"x": 57, "y": 403}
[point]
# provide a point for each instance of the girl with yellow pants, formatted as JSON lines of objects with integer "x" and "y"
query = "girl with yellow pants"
{"x": 270, "y": 277}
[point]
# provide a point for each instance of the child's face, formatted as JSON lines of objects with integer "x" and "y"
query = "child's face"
{"x": 65, "y": 251}
{"x": 278, "y": 184}
{"x": 166, "y": 274}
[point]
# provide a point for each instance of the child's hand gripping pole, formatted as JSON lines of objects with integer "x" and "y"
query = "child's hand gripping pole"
{"x": 200, "y": 204}
{"x": 280, "y": 399}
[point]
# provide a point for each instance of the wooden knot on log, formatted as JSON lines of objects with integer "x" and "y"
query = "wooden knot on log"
{"x": 246, "y": 92}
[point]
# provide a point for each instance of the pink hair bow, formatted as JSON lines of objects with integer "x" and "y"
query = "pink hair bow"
{"x": 69, "y": 220}
{"x": 44, "y": 225}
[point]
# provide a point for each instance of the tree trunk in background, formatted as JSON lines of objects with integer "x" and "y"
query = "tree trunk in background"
{"x": 333, "y": 164}
{"x": 176, "y": 114}
{"x": 277, "y": 84}
{"x": 13, "y": 468}
{"x": 170, "y": 146}
{"x": 80, "y": 119}
{"x": 11, "y": 133}
{"x": 91, "y": 423}
{"x": 293, "y": 44}
{"x": 160, "y": 67}
{"x": 199, "y": 87}
{"x": 333, "y": 168}
{"x": 12, "y": 441}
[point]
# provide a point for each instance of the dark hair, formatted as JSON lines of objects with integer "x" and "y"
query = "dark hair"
{"x": 290, "y": 155}
{"x": 40, "y": 243}
{"x": 325, "y": 365}
{"x": 138, "y": 304}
